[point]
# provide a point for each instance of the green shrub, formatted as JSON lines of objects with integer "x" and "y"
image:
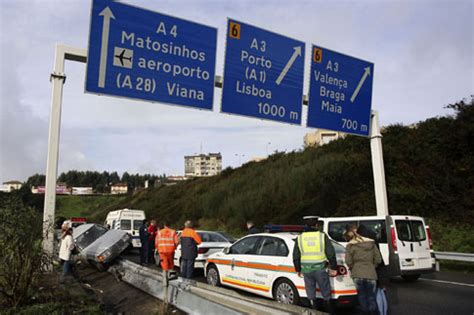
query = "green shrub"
{"x": 21, "y": 256}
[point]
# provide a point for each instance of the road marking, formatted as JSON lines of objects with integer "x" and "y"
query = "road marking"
{"x": 107, "y": 14}
{"x": 296, "y": 53}
{"x": 449, "y": 282}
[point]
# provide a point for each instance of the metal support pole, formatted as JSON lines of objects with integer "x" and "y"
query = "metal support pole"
{"x": 378, "y": 169}
{"x": 57, "y": 79}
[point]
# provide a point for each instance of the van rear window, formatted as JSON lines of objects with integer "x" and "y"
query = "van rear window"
{"x": 410, "y": 230}
{"x": 418, "y": 230}
{"x": 404, "y": 230}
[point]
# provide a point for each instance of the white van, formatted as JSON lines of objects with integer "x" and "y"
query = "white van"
{"x": 405, "y": 241}
{"x": 128, "y": 220}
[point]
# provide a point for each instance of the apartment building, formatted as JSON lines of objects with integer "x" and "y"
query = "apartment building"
{"x": 202, "y": 165}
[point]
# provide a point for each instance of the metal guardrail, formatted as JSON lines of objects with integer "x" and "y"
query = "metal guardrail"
{"x": 198, "y": 298}
{"x": 466, "y": 257}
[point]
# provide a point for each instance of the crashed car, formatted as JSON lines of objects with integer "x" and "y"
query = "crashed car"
{"x": 100, "y": 246}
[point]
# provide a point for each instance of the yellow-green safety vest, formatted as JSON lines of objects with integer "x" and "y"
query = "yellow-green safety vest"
{"x": 311, "y": 245}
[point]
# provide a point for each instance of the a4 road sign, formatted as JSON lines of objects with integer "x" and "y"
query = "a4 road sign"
{"x": 141, "y": 54}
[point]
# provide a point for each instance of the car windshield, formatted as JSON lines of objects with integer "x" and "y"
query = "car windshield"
{"x": 137, "y": 224}
{"x": 211, "y": 237}
{"x": 89, "y": 236}
{"x": 125, "y": 225}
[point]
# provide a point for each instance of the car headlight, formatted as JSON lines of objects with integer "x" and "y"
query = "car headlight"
{"x": 105, "y": 254}
{"x": 126, "y": 238}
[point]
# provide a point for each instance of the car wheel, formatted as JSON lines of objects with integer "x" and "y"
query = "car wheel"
{"x": 101, "y": 267}
{"x": 411, "y": 278}
{"x": 285, "y": 292}
{"x": 212, "y": 276}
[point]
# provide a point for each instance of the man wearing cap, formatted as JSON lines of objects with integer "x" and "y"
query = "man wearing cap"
{"x": 312, "y": 252}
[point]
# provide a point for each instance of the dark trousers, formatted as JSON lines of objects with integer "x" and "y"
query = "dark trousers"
{"x": 318, "y": 278}
{"x": 366, "y": 293}
{"x": 151, "y": 251}
{"x": 187, "y": 268}
{"x": 144, "y": 253}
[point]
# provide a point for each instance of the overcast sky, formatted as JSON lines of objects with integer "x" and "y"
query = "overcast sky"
{"x": 422, "y": 50}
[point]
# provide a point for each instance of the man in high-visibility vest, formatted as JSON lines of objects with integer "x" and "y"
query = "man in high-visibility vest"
{"x": 311, "y": 254}
{"x": 166, "y": 242}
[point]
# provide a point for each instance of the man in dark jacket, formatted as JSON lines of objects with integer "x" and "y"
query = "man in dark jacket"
{"x": 143, "y": 232}
{"x": 189, "y": 241}
{"x": 311, "y": 263}
{"x": 252, "y": 229}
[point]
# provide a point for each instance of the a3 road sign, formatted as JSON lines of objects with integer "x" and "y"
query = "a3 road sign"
{"x": 340, "y": 94}
{"x": 263, "y": 74}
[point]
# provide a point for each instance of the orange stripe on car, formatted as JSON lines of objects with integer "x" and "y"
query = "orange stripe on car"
{"x": 246, "y": 284}
{"x": 253, "y": 265}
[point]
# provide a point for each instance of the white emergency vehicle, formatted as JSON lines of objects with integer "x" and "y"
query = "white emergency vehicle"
{"x": 405, "y": 241}
{"x": 128, "y": 220}
{"x": 263, "y": 264}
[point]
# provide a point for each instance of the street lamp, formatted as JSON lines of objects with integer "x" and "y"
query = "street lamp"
{"x": 269, "y": 143}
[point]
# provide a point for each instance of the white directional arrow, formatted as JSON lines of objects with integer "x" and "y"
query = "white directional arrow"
{"x": 107, "y": 14}
{"x": 296, "y": 53}
{"x": 356, "y": 91}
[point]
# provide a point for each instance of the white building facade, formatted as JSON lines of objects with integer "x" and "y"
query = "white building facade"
{"x": 11, "y": 185}
{"x": 202, "y": 165}
{"x": 321, "y": 137}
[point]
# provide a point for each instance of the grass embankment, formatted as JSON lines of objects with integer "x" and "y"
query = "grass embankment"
{"x": 84, "y": 206}
{"x": 429, "y": 172}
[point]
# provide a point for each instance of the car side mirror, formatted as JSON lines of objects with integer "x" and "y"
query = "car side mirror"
{"x": 226, "y": 250}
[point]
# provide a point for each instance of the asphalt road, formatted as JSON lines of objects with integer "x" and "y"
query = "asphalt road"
{"x": 439, "y": 293}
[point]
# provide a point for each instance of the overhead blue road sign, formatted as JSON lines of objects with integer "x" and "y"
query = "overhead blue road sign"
{"x": 140, "y": 54}
{"x": 340, "y": 93}
{"x": 263, "y": 74}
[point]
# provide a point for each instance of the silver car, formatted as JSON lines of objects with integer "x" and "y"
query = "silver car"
{"x": 212, "y": 242}
{"x": 98, "y": 245}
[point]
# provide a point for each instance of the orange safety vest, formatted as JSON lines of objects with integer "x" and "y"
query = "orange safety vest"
{"x": 166, "y": 240}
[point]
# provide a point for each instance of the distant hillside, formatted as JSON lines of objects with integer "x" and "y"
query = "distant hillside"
{"x": 429, "y": 172}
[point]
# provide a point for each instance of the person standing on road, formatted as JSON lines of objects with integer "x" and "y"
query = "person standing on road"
{"x": 65, "y": 252}
{"x": 311, "y": 254}
{"x": 166, "y": 243}
{"x": 383, "y": 279}
{"x": 189, "y": 241}
{"x": 252, "y": 229}
{"x": 143, "y": 232}
{"x": 152, "y": 231}
{"x": 362, "y": 257}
